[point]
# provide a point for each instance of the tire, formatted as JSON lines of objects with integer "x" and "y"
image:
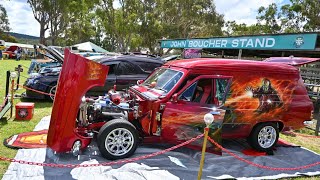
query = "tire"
{"x": 264, "y": 136}
{"x": 122, "y": 138}
{"x": 51, "y": 90}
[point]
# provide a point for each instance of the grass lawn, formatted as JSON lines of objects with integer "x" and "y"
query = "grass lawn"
{"x": 8, "y": 126}
{"x": 309, "y": 143}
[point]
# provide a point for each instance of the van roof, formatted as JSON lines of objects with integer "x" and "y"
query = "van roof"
{"x": 232, "y": 64}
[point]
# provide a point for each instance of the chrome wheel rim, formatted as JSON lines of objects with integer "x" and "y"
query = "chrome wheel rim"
{"x": 53, "y": 92}
{"x": 267, "y": 137}
{"x": 119, "y": 141}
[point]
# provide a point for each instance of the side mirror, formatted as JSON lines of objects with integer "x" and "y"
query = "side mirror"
{"x": 175, "y": 97}
{"x": 140, "y": 82}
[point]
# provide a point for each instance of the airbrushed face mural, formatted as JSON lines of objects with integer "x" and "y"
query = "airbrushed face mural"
{"x": 256, "y": 99}
{"x": 268, "y": 97}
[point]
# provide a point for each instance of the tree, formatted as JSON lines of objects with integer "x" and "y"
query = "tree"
{"x": 297, "y": 16}
{"x": 292, "y": 18}
{"x": 304, "y": 13}
{"x": 4, "y": 22}
{"x": 151, "y": 27}
{"x": 8, "y": 38}
{"x": 234, "y": 29}
{"x": 140, "y": 23}
{"x": 269, "y": 17}
{"x": 311, "y": 10}
{"x": 79, "y": 19}
{"x": 40, "y": 9}
{"x": 120, "y": 24}
{"x": 190, "y": 18}
{"x": 57, "y": 18}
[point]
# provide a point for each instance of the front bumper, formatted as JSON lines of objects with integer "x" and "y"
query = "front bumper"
{"x": 32, "y": 84}
{"x": 32, "y": 95}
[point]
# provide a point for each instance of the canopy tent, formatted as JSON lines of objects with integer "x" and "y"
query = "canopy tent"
{"x": 29, "y": 46}
{"x": 89, "y": 46}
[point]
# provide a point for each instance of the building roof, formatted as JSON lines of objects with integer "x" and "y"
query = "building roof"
{"x": 8, "y": 44}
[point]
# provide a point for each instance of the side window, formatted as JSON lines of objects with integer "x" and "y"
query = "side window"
{"x": 112, "y": 69}
{"x": 187, "y": 94}
{"x": 125, "y": 68}
{"x": 220, "y": 87}
{"x": 200, "y": 92}
{"x": 147, "y": 66}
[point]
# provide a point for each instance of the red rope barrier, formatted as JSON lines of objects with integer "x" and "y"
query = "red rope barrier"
{"x": 299, "y": 134}
{"x": 106, "y": 163}
{"x": 40, "y": 92}
{"x": 156, "y": 154}
{"x": 259, "y": 165}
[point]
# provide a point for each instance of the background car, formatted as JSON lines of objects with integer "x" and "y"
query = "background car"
{"x": 124, "y": 71}
{"x": 10, "y": 52}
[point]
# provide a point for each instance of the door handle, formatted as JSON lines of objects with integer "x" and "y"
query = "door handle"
{"x": 215, "y": 112}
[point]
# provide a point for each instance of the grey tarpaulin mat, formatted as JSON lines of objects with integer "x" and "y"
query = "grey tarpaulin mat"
{"x": 182, "y": 163}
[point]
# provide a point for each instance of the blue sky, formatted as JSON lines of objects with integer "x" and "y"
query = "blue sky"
{"x": 242, "y": 11}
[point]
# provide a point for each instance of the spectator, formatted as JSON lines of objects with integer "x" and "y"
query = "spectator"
{"x": 35, "y": 51}
{"x": 32, "y": 66}
{"x": 1, "y": 55}
{"x": 18, "y": 52}
{"x": 41, "y": 53}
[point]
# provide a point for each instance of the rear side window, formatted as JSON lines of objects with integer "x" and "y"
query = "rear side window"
{"x": 147, "y": 66}
{"x": 125, "y": 68}
{"x": 221, "y": 86}
{"x": 112, "y": 68}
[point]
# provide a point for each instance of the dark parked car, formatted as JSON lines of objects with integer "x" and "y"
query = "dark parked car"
{"x": 124, "y": 71}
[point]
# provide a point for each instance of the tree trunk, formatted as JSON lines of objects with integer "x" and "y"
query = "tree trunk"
{"x": 42, "y": 33}
{"x": 53, "y": 40}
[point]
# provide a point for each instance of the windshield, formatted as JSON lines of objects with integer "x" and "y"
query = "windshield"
{"x": 163, "y": 79}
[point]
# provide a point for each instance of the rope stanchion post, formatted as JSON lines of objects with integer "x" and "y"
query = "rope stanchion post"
{"x": 7, "y": 84}
{"x": 208, "y": 119}
{"x": 18, "y": 69}
{"x": 317, "y": 127}
{"x": 13, "y": 75}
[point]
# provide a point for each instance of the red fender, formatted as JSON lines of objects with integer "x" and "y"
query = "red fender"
{"x": 77, "y": 76}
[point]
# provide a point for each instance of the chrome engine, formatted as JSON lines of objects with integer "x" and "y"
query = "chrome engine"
{"x": 114, "y": 105}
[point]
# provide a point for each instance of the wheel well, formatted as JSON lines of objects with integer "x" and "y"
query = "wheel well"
{"x": 280, "y": 124}
{"x": 51, "y": 85}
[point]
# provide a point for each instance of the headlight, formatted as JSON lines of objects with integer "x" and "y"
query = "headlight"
{"x": 35, "y": 81}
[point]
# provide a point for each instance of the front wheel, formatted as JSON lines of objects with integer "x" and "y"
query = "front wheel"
{"x": 117, "y": 139}
{"x": 264, "y": 136}
{"x": 53, "y": 92}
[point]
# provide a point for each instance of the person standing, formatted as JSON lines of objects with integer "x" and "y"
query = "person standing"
{"x": 1, "y": 55}
{"x": 35, "y": 51}
{"x": 18, "y": 54}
